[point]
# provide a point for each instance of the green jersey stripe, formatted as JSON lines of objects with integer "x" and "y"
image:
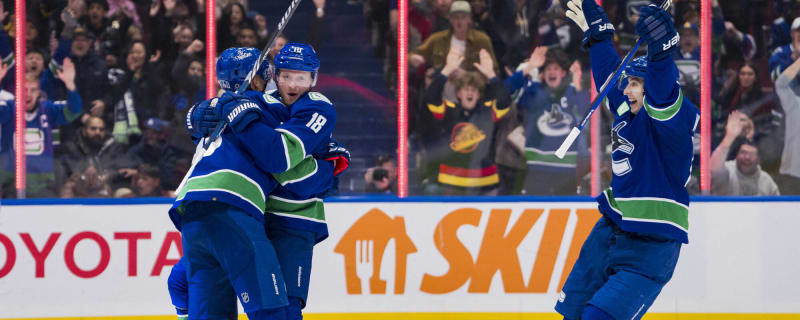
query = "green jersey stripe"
{"x": 657, "y": 210}
{"x": 311, "y": 209}
{"x": 227, "y": 181}
{"x": 536, "y": 156}
{"x": 667, "y": 113}
{"x": 294, "y": 149}
{"x": 302, "y": 171}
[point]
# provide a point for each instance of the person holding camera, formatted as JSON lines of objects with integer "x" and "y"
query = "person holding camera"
{"x": 383, "y": 177}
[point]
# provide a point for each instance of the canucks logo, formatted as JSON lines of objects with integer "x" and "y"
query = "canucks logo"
{"x": 466, "y": 137}
{"x": 619, "y": 143}
{"x": 555, "y": 122}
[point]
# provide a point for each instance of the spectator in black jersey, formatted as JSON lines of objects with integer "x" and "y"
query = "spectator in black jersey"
{"x": 137, "y": 93}
{"x": 90, "y": 161}
{"x": 466, "y": 151}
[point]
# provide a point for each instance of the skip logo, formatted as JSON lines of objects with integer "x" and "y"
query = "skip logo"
{"x": 671, "y": 42}
{"x": 504, "y": 251}
{"x": 236, "y": 111}
{"x": 363, "y": 247}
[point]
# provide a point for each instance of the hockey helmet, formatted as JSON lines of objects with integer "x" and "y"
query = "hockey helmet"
{"x": 234, "y": 64}
{"x": 300, "y": 57}
{"x": 636, "y": 68}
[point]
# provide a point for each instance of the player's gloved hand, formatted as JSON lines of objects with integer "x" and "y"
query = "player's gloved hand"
{"x": 202, "y": 118}
{"x": 339, "y": 155}
{"x": 591, "y": 19}
{"x": 238, "y": 111}
{"x": 656, "y": 27}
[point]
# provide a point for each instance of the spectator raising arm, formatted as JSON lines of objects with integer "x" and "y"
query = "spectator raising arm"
{"x": 738, "y": 125}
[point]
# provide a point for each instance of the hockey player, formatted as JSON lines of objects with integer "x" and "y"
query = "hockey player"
{"x": 293, "y": 242}
{"x": 219, "y": 210}
{"x": 632, "y": 251}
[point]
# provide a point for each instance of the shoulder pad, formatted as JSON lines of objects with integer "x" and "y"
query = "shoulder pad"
{"x": 316, "y": 96}
{"x": 270, "y": 99}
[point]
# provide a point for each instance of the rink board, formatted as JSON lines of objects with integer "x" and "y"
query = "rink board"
{"x": 431, "y": 260}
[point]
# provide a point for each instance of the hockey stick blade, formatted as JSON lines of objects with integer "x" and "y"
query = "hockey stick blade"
{"x": 246, "y": 84}
{"x": 601, "y": 94}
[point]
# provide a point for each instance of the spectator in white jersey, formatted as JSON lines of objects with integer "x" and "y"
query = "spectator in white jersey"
{"x": 788, "y": 89}
{"x": 743, "y": 175}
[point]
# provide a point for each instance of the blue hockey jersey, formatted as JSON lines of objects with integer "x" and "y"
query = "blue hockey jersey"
{"x": 287, "y": 205}
{"x": 230, "y": 173}
{"x": 651, "y": 151}
{"x": 549, "y": 117}
{"x": 39, "y": 126}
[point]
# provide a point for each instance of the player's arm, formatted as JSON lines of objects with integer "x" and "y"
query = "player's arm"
{"x": 597, "y": 36}
{"x": 662, "y": 92}
{"x": 310, "y": 125}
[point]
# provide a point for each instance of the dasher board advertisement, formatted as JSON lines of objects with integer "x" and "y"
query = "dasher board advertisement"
{"x": 408, "y": 259}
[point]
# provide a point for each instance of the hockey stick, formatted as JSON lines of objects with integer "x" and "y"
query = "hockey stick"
{"x": 601, "y": 95}
{"x": 246, "y": 84}
{"x": 200, "y": 153}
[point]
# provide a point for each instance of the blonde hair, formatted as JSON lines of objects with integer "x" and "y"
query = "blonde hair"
{"x": 470, "y": 79}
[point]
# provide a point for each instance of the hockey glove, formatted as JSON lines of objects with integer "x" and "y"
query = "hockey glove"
{"x": 656, "y": 27}
{"x": 339, "y": 155}
{"x": 591, "y": 19}
{"x": 202, "y": 118}
{"x": 238, "y": 111}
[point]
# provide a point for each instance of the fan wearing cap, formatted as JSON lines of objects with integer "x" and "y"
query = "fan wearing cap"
{"x": 783, "y": 56}
{"x": 687, "y": 58}
{"x": 461, "y": 38}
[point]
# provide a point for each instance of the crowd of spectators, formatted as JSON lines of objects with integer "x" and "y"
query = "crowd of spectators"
{"x": 495, "y": 86}
{"x": 108, "y": 84}
{"x": 537, "y": 55}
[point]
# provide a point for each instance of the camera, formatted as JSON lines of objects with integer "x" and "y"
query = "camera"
{"x": 379, "y": 173}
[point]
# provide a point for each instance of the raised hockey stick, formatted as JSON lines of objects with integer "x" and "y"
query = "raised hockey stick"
{"x": 201, "y": 152}
{"x": 601, "y": 95}
{"x": 246, "y": 84}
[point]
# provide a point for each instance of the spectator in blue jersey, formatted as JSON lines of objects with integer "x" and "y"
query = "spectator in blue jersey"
{"x": 784, "y": 55}
{"x": 633, "y": 249}
{"x": 780, "y": 31}
{"x": 742, "y": 176}
{"x": 466, "y": 151}
{"x": 91, "y": 148}
{"x": 551, "y": 103}
{"x": 42, "y": 117}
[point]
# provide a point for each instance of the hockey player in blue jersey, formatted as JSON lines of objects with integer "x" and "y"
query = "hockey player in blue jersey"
{"x": 632, "y": 251}
{"x": 293, "y": 243}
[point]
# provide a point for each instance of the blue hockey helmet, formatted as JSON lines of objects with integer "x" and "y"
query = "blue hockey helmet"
{"x": 636, "y": 68}
{"x": 298, "y": 56}
{"x": 234, "y": 64}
